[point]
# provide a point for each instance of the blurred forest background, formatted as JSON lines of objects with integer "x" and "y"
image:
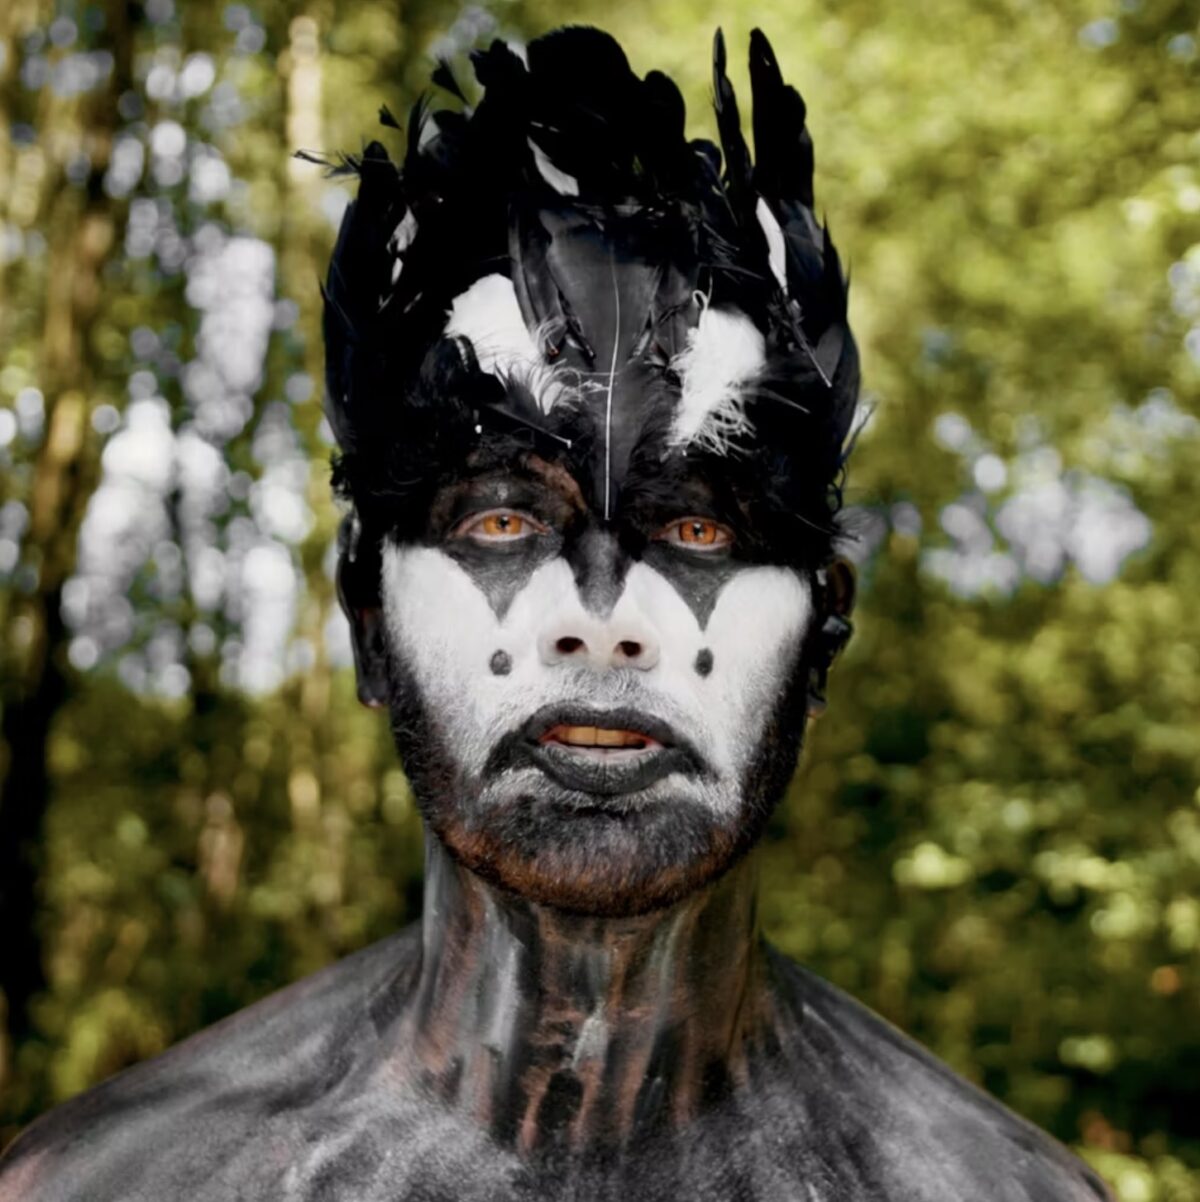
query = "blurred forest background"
{"x": 996, "y": 838}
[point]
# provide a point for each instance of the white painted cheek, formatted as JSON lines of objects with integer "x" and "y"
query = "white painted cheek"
{"x": 657, "y": 603}
{"x": 443, "y": 627}
{"x": 441, "y": 623}
{"x": 754, "y": 634}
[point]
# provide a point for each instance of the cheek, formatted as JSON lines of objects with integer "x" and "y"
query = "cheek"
{"x": 475, "y": 672}
{"x": 443, "y": 628}
{"x": 729, "y": 674}
{"x": 755, "y": 634}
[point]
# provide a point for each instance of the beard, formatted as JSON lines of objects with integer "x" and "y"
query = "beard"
{"x": 586, "y": 853}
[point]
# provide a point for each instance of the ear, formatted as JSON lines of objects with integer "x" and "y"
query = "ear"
{"x": 358, "y": 593}
{"x": 841, "y": 587}
{"x": 835, "y": 600}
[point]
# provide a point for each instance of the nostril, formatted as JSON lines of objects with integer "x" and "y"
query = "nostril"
{"x": 568, "y": 645}
{"x": 629, "y": 649}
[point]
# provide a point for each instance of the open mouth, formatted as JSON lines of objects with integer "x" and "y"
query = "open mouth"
{"x": 606, "y": 752}
{"x": 600, "y": 741}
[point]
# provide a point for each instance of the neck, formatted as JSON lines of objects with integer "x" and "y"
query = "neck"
{"x": 561, "y": 1030}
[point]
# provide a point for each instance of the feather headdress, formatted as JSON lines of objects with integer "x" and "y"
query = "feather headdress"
{"x": 560, "y": 268}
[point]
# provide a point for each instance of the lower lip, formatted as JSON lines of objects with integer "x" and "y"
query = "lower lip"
{"x": 607, "y": 772}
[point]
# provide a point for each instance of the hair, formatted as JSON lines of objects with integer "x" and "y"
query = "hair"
{"x": 569, "y": 170}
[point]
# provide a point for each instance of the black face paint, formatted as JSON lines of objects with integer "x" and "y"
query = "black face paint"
{"x": 704, "y": 662}
{"x": 500, "y": 663}
{"x": 599, "y": 564}
{"x": 697, "y": 576}
{"x": 501, "y": 571}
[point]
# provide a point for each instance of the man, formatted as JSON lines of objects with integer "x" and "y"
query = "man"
{"x": 593, "y": 402}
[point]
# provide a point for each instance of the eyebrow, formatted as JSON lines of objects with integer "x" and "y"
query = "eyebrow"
{"x": 526, "y": 471}
{"x": 555, "y": 476}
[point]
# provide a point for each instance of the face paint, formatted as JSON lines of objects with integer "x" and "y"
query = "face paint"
{"x": 604, "y": 646}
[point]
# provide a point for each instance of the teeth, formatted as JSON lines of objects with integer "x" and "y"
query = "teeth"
{"x": 597, "y": 736}
{"x": 579, "y": 736}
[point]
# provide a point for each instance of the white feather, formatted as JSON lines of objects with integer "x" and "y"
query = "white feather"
{"x": 489, "y": 316}
{"x": 400, "y": 241}
{"x": 560, "y": 181}
{"x": 725, "y": 351}
{"x": 776, "y": 251}
{"x": 403, "y": 234}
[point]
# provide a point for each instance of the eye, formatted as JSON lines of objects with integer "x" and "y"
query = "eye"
{"x": 498, "y": 526}
{"x": 697, "y": 534}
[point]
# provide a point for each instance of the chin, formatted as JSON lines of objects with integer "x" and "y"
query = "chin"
{"x": 596, "y": 854}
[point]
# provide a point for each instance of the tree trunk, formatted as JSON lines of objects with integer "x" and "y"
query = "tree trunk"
{"x": 82, "y": 226}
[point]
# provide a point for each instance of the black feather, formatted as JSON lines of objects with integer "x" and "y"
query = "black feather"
{"x": 417, "y": 116}
{"x": 613, "y": 277}
{"x": 783, "y": 152}
{"x": 335, "y": 163}
{"x": 443, "y": 77}
{"x": 729, "y": 125}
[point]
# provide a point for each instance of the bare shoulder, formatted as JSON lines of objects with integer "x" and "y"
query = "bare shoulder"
{"x": 905, "y": 1117}
{"x": 191, "y": 1105}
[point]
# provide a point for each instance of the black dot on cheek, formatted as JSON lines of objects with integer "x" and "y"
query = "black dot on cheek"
{"x": 500, "y": 663}
{"x": 704, "y": 662}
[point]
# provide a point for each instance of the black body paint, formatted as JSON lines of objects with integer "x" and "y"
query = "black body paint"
{"x": 697, "y": 576}
{"x": 500, "y": 664}
{"x": 436, "y": 1065}
{"x": 704, "y": 662}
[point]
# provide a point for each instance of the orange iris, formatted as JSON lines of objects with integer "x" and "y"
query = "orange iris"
{"x": 500, "y": 525}
{"x": 699, "y": 532}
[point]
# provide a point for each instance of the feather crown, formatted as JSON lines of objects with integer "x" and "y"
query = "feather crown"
{"x": 558, "y": 268}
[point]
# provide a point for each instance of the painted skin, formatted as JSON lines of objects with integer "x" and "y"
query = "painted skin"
{"x": 507, "y": 1048}
{"x": 591, "y": 638}
{"x": 720, "y": 1071}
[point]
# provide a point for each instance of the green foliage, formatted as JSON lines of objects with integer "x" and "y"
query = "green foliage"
{"x": 995, "y": 839}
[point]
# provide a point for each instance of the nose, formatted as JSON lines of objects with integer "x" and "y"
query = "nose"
{"x": 599, "y": 644}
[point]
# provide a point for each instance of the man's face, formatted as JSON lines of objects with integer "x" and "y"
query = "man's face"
{"x": 596, "y": 715}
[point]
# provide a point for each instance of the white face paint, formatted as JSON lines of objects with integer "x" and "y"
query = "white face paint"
{"x": 446, "y": 632}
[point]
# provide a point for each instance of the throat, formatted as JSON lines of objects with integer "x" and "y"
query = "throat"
{"x": 564, "y": 1031}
